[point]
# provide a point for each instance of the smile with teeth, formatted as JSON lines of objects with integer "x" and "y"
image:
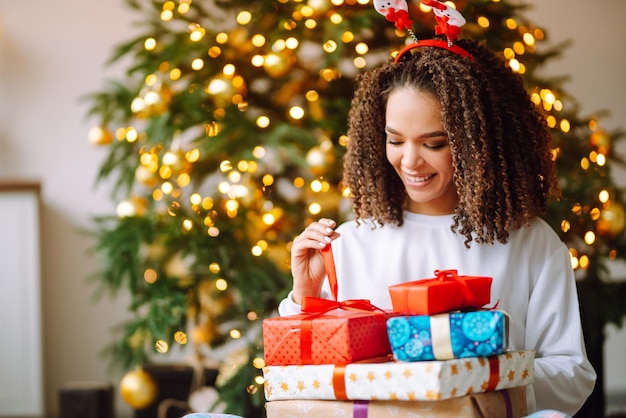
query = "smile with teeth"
{"x": 418, "y": 179}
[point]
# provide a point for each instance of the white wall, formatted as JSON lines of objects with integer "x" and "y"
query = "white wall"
{"x": 51, "y": 53}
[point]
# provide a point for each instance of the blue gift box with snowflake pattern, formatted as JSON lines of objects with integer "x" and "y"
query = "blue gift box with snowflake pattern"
{"x": 446, "y": 336}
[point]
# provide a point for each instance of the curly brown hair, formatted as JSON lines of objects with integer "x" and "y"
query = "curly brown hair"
{"x": 504, "y": 172}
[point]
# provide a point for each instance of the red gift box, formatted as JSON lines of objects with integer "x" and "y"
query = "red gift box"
{"x": 446, "y": 292}
{"x": 336, "y": 337}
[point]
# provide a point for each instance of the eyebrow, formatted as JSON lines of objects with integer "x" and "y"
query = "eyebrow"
{"x": 434, "y": 134}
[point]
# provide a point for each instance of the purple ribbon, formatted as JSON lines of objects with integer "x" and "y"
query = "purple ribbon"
{"x": 359, "y": 409}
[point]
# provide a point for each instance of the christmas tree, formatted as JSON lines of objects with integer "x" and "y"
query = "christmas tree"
{"x": 225, "y": 138}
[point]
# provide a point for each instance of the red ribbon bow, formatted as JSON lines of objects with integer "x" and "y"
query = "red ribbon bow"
{"x": 452, "y": 275}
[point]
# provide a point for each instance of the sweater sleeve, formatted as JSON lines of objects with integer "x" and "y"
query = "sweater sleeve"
{"x": 564, "y": 378}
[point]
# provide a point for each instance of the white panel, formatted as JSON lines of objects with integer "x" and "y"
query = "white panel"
{"x": 21, "y": 387}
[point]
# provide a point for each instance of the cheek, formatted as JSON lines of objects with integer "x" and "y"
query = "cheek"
{"x": 392, "y": 155}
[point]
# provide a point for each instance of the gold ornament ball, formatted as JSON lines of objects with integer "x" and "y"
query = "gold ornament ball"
{"x": 612, "y": 219}
{"x": 601, "y": 141}
{"x": 319, "y": 160}
{"x": 138, "y": 389}
{"x": 278, "y": 65}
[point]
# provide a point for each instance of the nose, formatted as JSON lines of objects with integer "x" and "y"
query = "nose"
{"x": 412, "y": 157}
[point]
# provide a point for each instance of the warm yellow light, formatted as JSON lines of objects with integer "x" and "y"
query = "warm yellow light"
{"x": 268, "y": 180}
{"x": 590, "y": 237}
{"x": 221, "y": 38}
{"x": 335, "y": 18}
{"x": 529, "y": 39}
{"x": 514, "y": 64}
{"x": 330, "y": 46}
{"x": 361, "y": 48}
{"x": 244, "y": 17}
{"x": 235, "y": 334}
{"x": 359, "y": 62}
{"x": 166, "y": 15}
{"x": 263, "y": 122}
{"x": 315, "y": 208}
{"x": 347, "y": 37}
{"x": 232, "y": 205}
{"x": 197, "y": 64}
{"x": 565, "y": 225}
{"x": 296, "y": 112}
{"x": 167, "y": 187}
{"x": 316, "y": 186}
{"x": 258, "y": 363}
{"x": 584, "y": 262}
{"x": 149, "y": 44}
{"x": 511, "y": 24}
{"x": 565, "y": 125}
{"x": 269, "y": 219}
{"x": 187, "y": 225}
{"x": 161, "y": 346}
{"x": 574, "y": 261}
{"x": 584, "y": 163}
{"x": 197, "y": 33}
{"x": 601, "y": 160}
{"x": 310, "y": 23}
{"x": 298, "y": 182}
{"x": 180, "y": 337}
{"x": 292, "y": 43}
{"x": 221, "y": 285}
{"x": 183, "y": 180}
{"x": 312, "y": 95}
{"x": 234, "y": 176}
{"x": 214, "y": 268}
{"x": 214, "y": 51}
{"x": 258, "y": 40}
{"x": 150, "y": 276}
{"x": 256, "y": 251}
{"x": 483, "y": 22}
{"x": 604, "y": 196}
{"x": 595, "y": 214}
{"x": 509, "y": 54}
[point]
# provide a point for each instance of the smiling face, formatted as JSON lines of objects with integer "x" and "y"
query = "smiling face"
{"x": 418, "y": 149}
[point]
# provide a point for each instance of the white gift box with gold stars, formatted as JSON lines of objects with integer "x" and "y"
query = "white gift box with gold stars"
{"x": 408, "y": 381}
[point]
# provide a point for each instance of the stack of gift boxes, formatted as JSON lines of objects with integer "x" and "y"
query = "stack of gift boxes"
{"x": 435, "y": 354}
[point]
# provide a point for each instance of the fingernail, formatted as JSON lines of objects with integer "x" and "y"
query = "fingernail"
{"x": 327, "y": 239}
{"x": 329, "y": 230}
{"x": 321, "y": 244}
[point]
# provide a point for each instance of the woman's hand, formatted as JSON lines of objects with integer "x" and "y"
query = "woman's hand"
{"x": 307, "y": 264}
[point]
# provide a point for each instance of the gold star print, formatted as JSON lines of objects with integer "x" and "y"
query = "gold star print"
{"x": 411, "y": 396}
{"x": 268, "y": 391}
{"x": 407, "y": 373}
{"x": 352, "y": 377}
{"x": 525, "y": 374}
{"x": 453, "y": 392}
{"x": 469, "y": 390}
{"x": 511, "y": 375}
{"x": 432, "y": 395}
{"x": 393, "y": 396}
{"x": 468, "y": 366}
{"x": 300, "y": 385}
{"x": 482, "y": 361}
{"x": 454, "y": 370}
{"x": 484, "y": 386}
{"x": 284, "y": 386}
{"x": 371, "y": 376}
{"x": 316, "y": 384}
{"x": 388, "y": 374}
{"x": 508, "y": 355}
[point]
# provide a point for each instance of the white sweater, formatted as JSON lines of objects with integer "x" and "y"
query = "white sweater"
{"x": 532, "y": 280}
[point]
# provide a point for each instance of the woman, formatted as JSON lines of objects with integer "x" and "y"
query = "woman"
{"x": 449, "y": 167}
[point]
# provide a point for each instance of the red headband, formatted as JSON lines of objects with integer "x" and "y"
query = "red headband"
{"x": 437, "y": 43}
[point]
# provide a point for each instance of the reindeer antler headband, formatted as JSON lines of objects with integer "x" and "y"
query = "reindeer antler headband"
{"x": 449, "y": 22}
